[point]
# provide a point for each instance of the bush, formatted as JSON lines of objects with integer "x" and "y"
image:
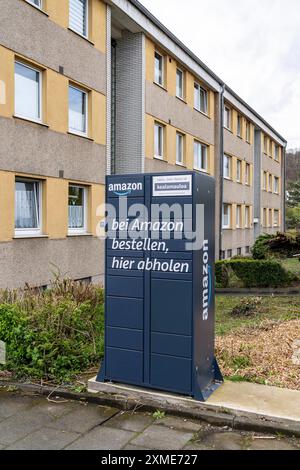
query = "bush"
{"x": 281, "y": 245}
{"x": 55, "y": 334}
{"x": 247, "y": 307}
{"x": 253, "y": 273}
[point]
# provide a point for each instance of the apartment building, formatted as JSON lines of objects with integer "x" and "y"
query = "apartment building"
{"x": 94, "y": 87}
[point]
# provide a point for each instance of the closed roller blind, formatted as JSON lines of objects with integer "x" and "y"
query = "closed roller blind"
{"x": 78, "y": 16}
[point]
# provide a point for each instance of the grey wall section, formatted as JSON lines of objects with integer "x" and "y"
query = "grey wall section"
{"x": 33, "y": 261}
{"x": 130, "y": 97}
{"x": 50, "y": 44}
{"x": 235, "y": 193}
{"x": 233, "y": 239}
{"x": 167, "y": 108}
{"x": 158, "y": 166}
{"x": 237, "y": 147}
{"x": 30, "y": 148}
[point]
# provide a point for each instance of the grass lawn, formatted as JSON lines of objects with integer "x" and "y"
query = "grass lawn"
{"x": 292, "y": 264}
{"x": 260, "y": 347}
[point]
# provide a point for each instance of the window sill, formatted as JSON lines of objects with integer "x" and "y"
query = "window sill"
{"x": 21, "y": 118}
{"x": 161, "y": 86}
{"x": 202, "y": 113}
{"x": 161, "y": 159}
{"x": 229, "y": 130}
{"x": 180, "y": 164}
{"x": 227, "y": 178}
{"x": 201, "y": 171}
{"x": 81, "y": 36}
{"x": 182, "y": 100}
{"x": 80, "y": 135}
{"x": 71, "y": 235}
{"x": 38, "y": 9}
{"x": 25, "y": 237}
{"x": 239, "y": 137}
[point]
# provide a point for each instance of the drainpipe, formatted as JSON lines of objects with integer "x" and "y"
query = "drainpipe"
{"x": 284, "y": 189}
{"x": 221, "y": 166}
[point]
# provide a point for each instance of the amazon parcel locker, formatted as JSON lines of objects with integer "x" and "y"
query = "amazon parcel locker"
{"x": 159, "y": 317}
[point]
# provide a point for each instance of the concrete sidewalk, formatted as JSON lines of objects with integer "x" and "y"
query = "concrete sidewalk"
{"x": 239, "y": 404}
{"x": 31, "y": 422}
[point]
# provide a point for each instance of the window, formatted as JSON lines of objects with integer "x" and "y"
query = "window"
{"x": 276, "y": 185}
{"x": 265, "y": 144}
{"x": 270, "y": 217}
{"x": 271, "y": 148}
{"x": 239, "y": 171}
{"x": 159, "y": 69}
{"x": 28, "y": 95}
{"x": 270, "y": 183}
{"x": 78, "y": 104}
{"x": 179, "y": 149}
{"x": 248, "y": 132}
{"x": 265, "y": 222}
{"x": 247, "y": 217}
{"x": 227, "y": 167}
{"x": 159, "y": 141}
{"x": 277, "y": 153}
{"x": 36, "y": 3}
{"x": 238, "y": 216}
{"x": 247, "y": 174}
{"x": 79, "y": 16}
{"x": 223, "y": 255}
{"x": 227, "y": 117}
{"x": 77, "y": 209}
{"x": 265, "y": 181}
{"x": 180, "y": 84}
{"x": 200, "y": 98}
{"x": 27, "y": 207}
{"x": 239, "y": 125}
{"x": 200, "y": 156}
{"x": 226, "y": 219}
{"x": 276, "y": 218}
{"x": 239, "y": 251}
{"x": 247, "y": 250}
{"x": 229, "y": 253}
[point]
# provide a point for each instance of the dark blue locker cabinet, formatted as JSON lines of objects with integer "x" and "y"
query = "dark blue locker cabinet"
{"x": 159, "y": 320}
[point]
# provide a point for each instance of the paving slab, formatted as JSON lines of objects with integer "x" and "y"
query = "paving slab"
{"x": 130, "y": 421}
{"x": 13, "y": 404}
{"x": 45, "y": 439}
{"x": 18, "y": 426}
{"x": 55, "y": 410}
{"x": 158, "y": 438}
{"x": 84, "y": 418}
{"x": 102, "y": 438}
{"x": 270, "y": 444}
{"x": 260, "y": 399}
{"x": 182, "y": 424}
{"x": 223, "y": 441}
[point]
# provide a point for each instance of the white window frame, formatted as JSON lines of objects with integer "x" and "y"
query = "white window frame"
{"x": 178, "y": 95}
{"x": 239, "y": 125}
{"x": 29, "y": 118}
{"x": 276, "y": 155}
{"x": 39, "y": 7}
{"x": 83, "y": 230}
{"x": 181, "y": 163}
{"x": 162, "y": 69}
{"x": 247, "y": 216}
{"x": 86, "y": 94}
{"x": 247, "y": 174}
{"x": 276, "y": 222}
{"x": 265, "y": 180}
{"x": 86, "y": 35}
{"x": 238, "y": 216}
{"x": 239, "y": 171}
{"x": 229, "y": 166}
{"x": 228, "y": 225}
{"x": 158, "y": 125}
{"x": 197, "y": 98}
{"x": 271, "y": 148}
{"x": 202, "y": 147}
{"x": 227, "y": 112}
{"x": 265, "y": 144}
{"x": 248, "y": 132}
{"x": 270, "y": 183}
{"x": 32, "y": 232}
{"x": 276, "y": 185}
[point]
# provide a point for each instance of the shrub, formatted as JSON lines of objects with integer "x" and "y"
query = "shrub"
{"x": 55, "y": 334}
{"x": 253, "y": 273}
{"x": 279, "y": 245}
{"x": 247, "y": 307}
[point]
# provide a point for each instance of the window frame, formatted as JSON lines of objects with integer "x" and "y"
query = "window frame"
{"x": 84, "y": 230}
{"x": 226, "y": 226}
{"x": 239, "y": 129}
{"x": 40, "y": 84}
{"x": 276, "y": 185}
{"x": 229, "y": 167}
{"x": 179, "y": 69}
{"x": 199, "y": 88}
{"x": 239, "y": 165}
{"x": 238, "y": 216}
{"x": 265, "y": 181}
{"x": 247, "y": 216}
{"x": 179, "y": 134}
{"x": 270, "y": 183}
{"x": 276, "y": 223}
{"x": 85, "y": 36}
{"x": 247, "y": 174}
{"x": 86, "y": 94}
{"x": 229, "y": 128}
{"x": 39, "y": 7}
{"x": 276, "y": 153}
{"x": 31, "y": 232}
{"x": 202, "y": 146}
{"x": 156, "y": 53}
{"x": 248, "y": 132}
{"x": 162, "y": 127}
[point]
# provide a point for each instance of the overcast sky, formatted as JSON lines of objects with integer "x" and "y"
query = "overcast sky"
{"x": 254, "y": 46}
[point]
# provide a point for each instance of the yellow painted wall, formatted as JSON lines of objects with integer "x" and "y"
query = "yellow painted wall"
{"x": 57, "y": 101}
{"x": 7, "y": 202}
{"x": 98, "y": 117}
{"x": 54, "y": 205}
{"x": 97, "y": 33}
{"x": 58, "y": 11}
{"x": 6, "y": 82}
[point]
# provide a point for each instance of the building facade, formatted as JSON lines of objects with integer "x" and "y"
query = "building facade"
{"x": 92, "y": 87}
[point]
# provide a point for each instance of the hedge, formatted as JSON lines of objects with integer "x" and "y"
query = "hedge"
{"x": 252, "y": 273}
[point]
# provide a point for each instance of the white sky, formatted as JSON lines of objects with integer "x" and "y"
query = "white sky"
{"x": 254, "y": 46}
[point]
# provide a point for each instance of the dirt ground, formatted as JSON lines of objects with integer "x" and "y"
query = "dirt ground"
{"x": 268, "y": 353}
